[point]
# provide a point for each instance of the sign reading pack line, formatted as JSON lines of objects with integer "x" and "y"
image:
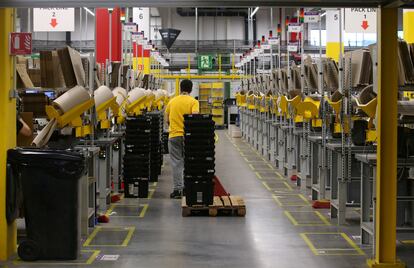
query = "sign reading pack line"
{"x": 360, "y": 20}
{"x": 54, "y": 19}
{"x": 169, "y": 36}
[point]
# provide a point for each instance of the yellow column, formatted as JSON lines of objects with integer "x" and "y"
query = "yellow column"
{"x": 177, "y": 86}
{"x": 8, "y": 235}
{"x": 332, "y": 34}
{"x": 386, "y": 179}
{"x": 408, "y": 25}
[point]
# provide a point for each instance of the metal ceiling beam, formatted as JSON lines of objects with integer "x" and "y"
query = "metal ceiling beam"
{"x": 201, "y": 3}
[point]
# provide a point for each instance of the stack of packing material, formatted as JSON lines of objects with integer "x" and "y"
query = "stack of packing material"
{"x": 137, "y": 156}
{"x": 330, "y": 70}
{"x": 405, "y": 63}
{"x": 311, "y": 75}
{"x": 51, "y": 75}
{"x": 359, "y": 62}
{"x": 284, "y": 81}
{"x": 72, "y": 67}
{"x": 156, "y": 150}
{"x": 199, "y": 159}
{"x": 296, "y": 77}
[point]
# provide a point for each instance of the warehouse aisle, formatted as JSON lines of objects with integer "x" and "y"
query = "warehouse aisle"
{"x": 279, "y": 230}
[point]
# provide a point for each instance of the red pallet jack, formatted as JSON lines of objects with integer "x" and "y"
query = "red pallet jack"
{"x": 219, "y": 188}
{"x": 320, "y": 204}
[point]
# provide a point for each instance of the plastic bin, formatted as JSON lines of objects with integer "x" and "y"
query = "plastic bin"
{"x": 50, "y": 186}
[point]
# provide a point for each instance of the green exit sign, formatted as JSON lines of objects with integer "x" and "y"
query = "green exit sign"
{"x": 205, "y": 62}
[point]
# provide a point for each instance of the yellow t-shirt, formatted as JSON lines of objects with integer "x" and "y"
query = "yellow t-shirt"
{"x": 176, "y": 109}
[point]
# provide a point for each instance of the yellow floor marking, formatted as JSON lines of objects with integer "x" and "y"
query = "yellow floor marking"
{"x": 143, "y": 211}
{"x": 251, "y": 166}
{"x": 270, "y": 166}
{"x": 324, "y": 222}
{"x": 259, "y": 176}
{"x": 141, "y": 214}
{"x": 150, "y": 194}
{"x": 320, "y": 251}
{"x": 291, "y": 204}
{"x": 288, "y": 186}
{"x": 98, "y": 229}
{"x": 89, "y": 261}
{"x": 267, "y": 186}
{"x": 154, "y": 184}
{"x": 407, "y": 241}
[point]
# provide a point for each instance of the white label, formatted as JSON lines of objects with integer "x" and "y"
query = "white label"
{"x": 273, "y": 40}
{"x": 130, "y": 27}
{"x": 294, "y": 28}
{"x": 148, "y": 47}
{"x": 311, "y": 17}
{"x": 54, "y": 19}
{"x": 360, "y": 20}
{"x": 261, "y": 71}
{"x": 136, "y": 36}
{"x": 142, "y": 42}
{"x": 141, "y": 16}
{"x": 109, "y": 68}
{"x": 109, "y": 258}
{"x": 266, "y": 47}
{"x": 292, "y": 48}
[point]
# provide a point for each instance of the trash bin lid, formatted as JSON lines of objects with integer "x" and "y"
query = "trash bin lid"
{"x": 32, "y": 154}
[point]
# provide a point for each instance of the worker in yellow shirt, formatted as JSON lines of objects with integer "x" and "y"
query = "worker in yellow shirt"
{"x": 174, "y": 114}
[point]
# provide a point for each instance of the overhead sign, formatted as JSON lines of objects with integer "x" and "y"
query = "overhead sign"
{"x": 141, "y": 16}
{"x": 169, "y": 36}
{"x": 273, "y": 41}
{"x": 360, "y": 20}
{"x": 54, "y": 19}
{"x": 294, "y": 28}
{"x": 205, "y": 62}
{"x": 311, "y": 17}
{"x": 20, "y": 44}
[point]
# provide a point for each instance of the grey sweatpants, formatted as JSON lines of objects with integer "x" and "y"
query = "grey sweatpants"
{"x": 176, "y": 151}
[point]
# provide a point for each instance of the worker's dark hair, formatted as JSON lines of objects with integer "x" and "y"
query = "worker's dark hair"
{"x": 186, "y": 86}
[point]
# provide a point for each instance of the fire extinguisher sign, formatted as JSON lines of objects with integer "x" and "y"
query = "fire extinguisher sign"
{"x": 20, "y": 44}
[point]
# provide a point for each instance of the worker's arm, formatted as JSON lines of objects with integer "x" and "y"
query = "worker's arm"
{"x": 196, "y": 108}
{"x": 23, "y": 128}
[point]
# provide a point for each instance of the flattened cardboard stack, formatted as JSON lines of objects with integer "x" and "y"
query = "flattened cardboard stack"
{"x": 72, "y": 67}
{"x": 199, "y": 159}
{"x": 405, "y": 63}
{"x": 137, "y": 156}
{"x": 358, "y": 64}
{"x": 51, "y": 75}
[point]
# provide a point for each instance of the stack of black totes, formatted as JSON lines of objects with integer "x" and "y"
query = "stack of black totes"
{"x": 199, "y": 157}
{"x": 137, "y": 156}
{"x": 156, "y": 153}
{"x": 165, "y": 135}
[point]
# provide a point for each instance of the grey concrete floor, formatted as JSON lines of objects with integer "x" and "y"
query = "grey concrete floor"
{"x": 284, "y": 233}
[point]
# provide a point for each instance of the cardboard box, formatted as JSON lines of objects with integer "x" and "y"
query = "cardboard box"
{"x": 34, "y": 75}
{"x": 72, "y": 67}
{"x": 23, "y": 79}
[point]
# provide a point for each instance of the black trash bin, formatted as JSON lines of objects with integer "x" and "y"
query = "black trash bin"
{"x": 50, "y": 187}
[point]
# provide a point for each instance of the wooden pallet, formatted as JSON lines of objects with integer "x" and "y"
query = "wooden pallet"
{"x": 222, "y": 205}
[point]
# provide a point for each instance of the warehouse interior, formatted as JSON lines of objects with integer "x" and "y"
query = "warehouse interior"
{"x": 297, "y": 150}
